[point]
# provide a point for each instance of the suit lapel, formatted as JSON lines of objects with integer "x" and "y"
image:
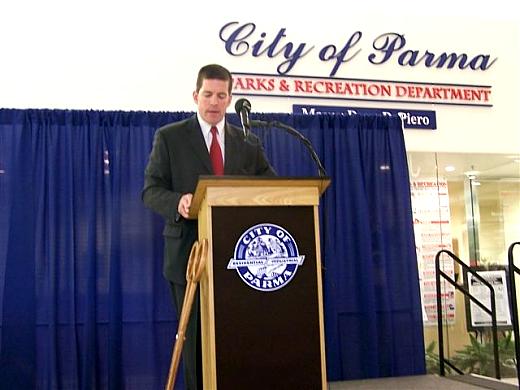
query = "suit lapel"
{"x": 232, "y": 151}
{"x": 197, "y": 143}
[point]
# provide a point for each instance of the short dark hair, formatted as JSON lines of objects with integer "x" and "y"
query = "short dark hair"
{"x": 214, "y": 71}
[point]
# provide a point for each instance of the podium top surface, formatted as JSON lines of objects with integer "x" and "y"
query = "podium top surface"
{"x": 321, "y": 183}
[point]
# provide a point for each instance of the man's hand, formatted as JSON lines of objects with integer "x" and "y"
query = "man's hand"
{"x": 184, "y": 205}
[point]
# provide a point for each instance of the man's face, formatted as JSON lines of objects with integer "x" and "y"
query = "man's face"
{"x": 212, "y": 100}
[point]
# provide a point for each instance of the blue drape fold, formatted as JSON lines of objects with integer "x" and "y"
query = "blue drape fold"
{"x": 83, "y": 304}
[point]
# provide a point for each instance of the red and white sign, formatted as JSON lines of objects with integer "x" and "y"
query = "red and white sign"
{"x": 249, "y": 84}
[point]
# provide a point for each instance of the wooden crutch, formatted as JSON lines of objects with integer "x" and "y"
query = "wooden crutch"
{"x": 196, "y": 264}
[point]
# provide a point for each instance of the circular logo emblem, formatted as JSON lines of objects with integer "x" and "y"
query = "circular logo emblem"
{"x": 266, "y": 257}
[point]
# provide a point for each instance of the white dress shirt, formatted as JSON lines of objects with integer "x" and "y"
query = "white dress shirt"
{"x": 206, "y": 133}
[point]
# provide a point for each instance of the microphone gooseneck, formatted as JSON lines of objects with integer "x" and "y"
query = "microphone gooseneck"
{"x": 243, "y": 109}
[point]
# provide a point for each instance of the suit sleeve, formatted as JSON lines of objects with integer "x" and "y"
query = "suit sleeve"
{"x": 158, "y": 193}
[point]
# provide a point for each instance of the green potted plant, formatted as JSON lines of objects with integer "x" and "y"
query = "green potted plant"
{"x": 478, "y": 358}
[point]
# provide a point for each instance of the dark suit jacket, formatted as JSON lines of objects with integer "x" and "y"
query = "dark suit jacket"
{"x": 179, "y": 156}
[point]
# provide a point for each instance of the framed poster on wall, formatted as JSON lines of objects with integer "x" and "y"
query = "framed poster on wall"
{"x": 478, "y": 319}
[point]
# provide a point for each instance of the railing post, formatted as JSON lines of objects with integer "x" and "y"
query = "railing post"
{"x": 465, "y": 291}
{"x": 439, "y": 315}
{"x": 513, "y": 269}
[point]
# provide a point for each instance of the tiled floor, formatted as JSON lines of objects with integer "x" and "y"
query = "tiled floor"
{"x": 424, "y": 382}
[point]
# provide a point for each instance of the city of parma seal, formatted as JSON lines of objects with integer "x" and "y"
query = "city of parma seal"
{"x": 266, "y": 257}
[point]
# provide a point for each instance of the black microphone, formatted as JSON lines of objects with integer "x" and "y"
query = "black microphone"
{"x": 243, "y": 109}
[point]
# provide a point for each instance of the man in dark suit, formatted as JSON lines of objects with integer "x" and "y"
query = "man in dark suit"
{"x": 179, "y": 156}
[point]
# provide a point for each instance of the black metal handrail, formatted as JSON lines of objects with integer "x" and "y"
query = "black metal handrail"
{"x": 492, "y": 312}
{"x": 514, "y": 308}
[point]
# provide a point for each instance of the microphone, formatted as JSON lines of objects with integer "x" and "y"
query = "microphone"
{"x": 243, "y": 109}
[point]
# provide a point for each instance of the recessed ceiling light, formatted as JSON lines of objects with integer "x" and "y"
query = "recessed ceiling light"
{"x": 449, "y": 168}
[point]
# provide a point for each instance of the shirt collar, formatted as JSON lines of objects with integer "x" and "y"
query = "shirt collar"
{"x": 206, "y": 127}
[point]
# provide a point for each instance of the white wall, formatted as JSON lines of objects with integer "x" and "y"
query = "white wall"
{"x": 137, "y": 55}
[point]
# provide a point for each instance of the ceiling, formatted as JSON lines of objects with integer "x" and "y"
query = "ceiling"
{"x": 484, "y": 166}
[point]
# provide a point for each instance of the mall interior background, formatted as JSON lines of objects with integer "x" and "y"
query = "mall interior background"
{"x": 124, "y": 56}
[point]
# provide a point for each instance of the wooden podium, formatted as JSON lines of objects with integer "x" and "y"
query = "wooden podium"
{"x": 261, "y": 292}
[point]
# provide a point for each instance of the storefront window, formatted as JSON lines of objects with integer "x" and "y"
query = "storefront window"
{"x": 468, "y": 204}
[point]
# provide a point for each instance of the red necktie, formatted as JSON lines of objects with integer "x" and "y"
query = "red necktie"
{"x": 215, "y": 153}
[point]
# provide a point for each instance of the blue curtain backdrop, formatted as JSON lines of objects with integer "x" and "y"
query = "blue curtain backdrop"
{"x": 83, "y": 304}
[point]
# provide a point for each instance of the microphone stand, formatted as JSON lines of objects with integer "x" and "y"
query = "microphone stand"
{"x": 291, "y": 130}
